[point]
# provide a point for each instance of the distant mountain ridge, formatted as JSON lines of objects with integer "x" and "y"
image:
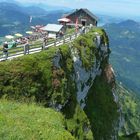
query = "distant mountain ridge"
{"x": 105, "y": 19}
{"x": 15, "y": 18}
{"x": 12, "y": 18}
{"x": 129, "y": 23}
{"x": 31, "y": 10}
{"x": 41, "y": 5}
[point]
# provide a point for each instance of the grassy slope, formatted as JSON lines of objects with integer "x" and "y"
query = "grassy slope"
{"x": 34, "y": 76}
{"x": 135, "y": 136}
{"x": 100, "y": 106}
{"x": 22, "y": 121}
{"x": 101, "y": 109}
{"x": 130, "y": 105}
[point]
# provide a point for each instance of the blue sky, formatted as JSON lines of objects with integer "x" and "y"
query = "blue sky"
{"x": 125, "y": 8}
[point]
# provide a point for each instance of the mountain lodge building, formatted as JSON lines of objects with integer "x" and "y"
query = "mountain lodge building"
{"x": 83, "y": 16}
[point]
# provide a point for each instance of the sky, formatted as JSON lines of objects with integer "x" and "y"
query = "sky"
{"x": 125, "y": 8}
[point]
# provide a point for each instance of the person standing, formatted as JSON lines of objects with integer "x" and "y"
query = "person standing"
{"x": 5, "y": 50}
{"x": 83, "y": 30}
{"x": 45, "y": 41}
{"x": 26, "y": 46}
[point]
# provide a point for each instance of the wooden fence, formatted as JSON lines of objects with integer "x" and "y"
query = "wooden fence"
{"x": 35, "y": 47}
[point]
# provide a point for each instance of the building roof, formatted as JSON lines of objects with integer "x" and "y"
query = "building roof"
{"x": 85, "y": 10}
{"x": 90, "y": 14}
{"x": 52, "y": 28}
{"x": 64, "y": 20}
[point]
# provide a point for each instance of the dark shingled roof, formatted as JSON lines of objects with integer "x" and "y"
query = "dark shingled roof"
{"x": 85, "y": 10}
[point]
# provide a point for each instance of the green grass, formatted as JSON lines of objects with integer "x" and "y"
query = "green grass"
{"x": 66, "y": 55}
{"x": 70, "y": 30}
{"x": 130, "y": 105}
{"x": 36, "y": 77}
{"x": 134, "y": 136}
{"x": 102, "y": 33}
{"x": 78, "y": 122}
{"x": 86, "y": 49}
{"x": 19, "y": 121}
{"x": 32, "y": 71}
{"x": 86, "y": 46}
{"x": 101, "y": 109}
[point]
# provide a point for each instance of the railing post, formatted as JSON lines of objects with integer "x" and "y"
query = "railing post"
{"x": 28, "y": 49}
{"x": 24, "y": 49}
{"x": 5, "y": 55}
{"x": 70, "y": 37}
{"x": 43, "y": 46}
{"x": 64, "y": 39}
{"x": 55, "y": 42}
{"x": 75, "y": 34}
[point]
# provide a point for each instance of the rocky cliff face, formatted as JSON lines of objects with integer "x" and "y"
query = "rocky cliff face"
{"x": 75, "y": 79}
{"x": 94, "y": 80}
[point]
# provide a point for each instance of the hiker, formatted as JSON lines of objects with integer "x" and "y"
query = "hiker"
{"x": 5, "y": 50}
{"x": 18, "y": 41}
{"x": 57, "y": 35}
{"x": 26, "y": 46}
{"x": 83, "y": 30}
{"x": 45, "y": 40}
{"x": 61, "y": 34}
{"x": 90, "y": 26}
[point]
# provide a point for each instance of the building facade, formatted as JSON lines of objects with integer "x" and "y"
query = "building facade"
{"x": 83, "y": 17}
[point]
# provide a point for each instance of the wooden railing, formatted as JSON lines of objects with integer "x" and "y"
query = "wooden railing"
{"x": 37, "y": 47}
